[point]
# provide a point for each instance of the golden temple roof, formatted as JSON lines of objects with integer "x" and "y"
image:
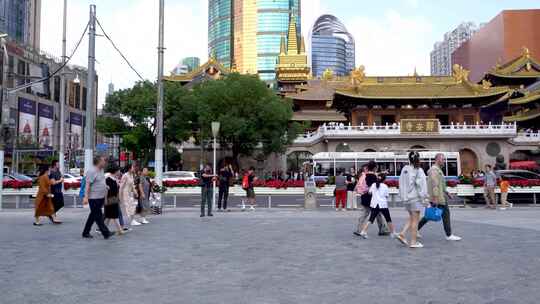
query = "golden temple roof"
{"x": 524, "y": 66}
{"x": 357, "y": 85}
{"x": 318, "y": 115}
{"x": 523, "y": 115}
{"x": 528, "y": 98}
{"x": 212, "y": 69}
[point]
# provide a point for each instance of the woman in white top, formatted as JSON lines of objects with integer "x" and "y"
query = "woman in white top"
{"x": 379, "y": 204}
{"x": 413, "y": 192}
{"x": 128, "y": 196}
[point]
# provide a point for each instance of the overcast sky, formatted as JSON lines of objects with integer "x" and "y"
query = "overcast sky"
{"x": 393, "y": 37}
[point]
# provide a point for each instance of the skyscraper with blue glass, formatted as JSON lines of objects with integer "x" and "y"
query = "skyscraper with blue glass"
{"x": 332, "y": 47}
{"x": 247, "y": 33}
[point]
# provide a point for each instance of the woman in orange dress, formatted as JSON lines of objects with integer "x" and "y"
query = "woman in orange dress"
{"x": 44, "y": 205}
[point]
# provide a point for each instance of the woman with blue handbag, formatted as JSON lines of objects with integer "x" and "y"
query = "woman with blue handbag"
{"x": 438, "y": 198}
{"x": 413, "y": 193}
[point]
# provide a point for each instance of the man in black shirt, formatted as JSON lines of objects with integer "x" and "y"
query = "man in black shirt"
{"x": 56, "y": 188}
{"x": 207, "y": 189}
{"x": 225, "y": 176}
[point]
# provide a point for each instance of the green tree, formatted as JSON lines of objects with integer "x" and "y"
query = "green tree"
{"x": 249, "y": 112}
{"x": 131, "y": 112}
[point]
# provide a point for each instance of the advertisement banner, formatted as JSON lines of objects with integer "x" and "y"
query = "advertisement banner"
{"x": 76, "y": 138}
{"x": 46, "y": 126}
{"x": 27, "y": 121}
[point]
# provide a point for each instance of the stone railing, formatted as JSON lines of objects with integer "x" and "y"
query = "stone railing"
{"x": 527, "y": 138}
{"x": 458, "y": 130}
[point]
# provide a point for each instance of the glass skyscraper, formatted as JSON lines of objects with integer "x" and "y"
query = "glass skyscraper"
{"x": 220, "y": 30}
{"x": 20, "y": 19}
{"x": 332, "y": 47}
{"x": 247, "y": 33}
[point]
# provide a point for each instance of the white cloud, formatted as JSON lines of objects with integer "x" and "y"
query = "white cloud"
{"x": 393, "y": 45}
{"x": 134, "y": 29}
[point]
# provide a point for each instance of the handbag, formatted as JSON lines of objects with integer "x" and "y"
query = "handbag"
{"x": 433, "y": 214}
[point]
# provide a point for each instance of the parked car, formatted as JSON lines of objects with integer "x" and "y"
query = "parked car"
{"x": 518, "y": 174}
{"x": 173, "y": 176}
{"x": 69, "y": 178}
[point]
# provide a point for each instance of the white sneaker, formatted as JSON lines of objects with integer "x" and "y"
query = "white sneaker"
{"x": 417, "y": 245}
{"x": 364, "y": 235}
{"x": 453, "y": 238}
{"x": 135, "y": 223}
{"x": 419, "y": 236}
{"x": 145, "y": 221}
{"x": 502, "y": 208}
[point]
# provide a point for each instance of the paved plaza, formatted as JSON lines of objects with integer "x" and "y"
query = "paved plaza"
{"x": 270, "y": 256}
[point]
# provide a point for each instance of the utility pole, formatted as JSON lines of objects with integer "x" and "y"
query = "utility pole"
{"x": 159, "y": 112}
{"x": 62, "y": 144}
{"x": 91, "y": 94}
{"x": 4, "y": 123}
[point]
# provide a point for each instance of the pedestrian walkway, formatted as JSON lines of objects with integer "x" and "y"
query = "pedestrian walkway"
{"x": 270, "y": 256}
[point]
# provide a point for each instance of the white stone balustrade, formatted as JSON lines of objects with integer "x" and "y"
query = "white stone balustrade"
{"x": 393, "y": 130}
{"x": 527, "y": 138}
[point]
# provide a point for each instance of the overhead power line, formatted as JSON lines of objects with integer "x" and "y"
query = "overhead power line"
{"x": 57, "y": 70}
{"x": 119, "y": 52}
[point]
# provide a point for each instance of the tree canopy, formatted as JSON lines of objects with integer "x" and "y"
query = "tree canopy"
{"x": 251, "y": 115}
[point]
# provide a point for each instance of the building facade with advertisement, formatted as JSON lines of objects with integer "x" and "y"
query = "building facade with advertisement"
{"x": 500, "y": 41}
{"x": 332, "y": 47}
{"x": 35, "y": 111}
{"x": 247, "y": 34}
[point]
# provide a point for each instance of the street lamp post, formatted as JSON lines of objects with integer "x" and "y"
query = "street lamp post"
{"x": 215, "y": 132}
{"x": 159, "y": 113}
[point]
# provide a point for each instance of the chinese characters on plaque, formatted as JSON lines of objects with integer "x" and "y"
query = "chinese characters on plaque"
{"x": 429, "y": 126}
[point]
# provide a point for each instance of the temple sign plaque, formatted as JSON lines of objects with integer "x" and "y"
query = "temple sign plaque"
{"x": 419, "y": 126}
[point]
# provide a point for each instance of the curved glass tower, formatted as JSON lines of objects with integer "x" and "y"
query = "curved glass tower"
{"x": 332, "y": 47}
{"x": 247, "y": 33}
{"x": 220, "y": 30}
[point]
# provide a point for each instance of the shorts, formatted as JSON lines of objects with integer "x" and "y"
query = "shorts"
{"x": 384, "y": 211}
{"x": 250, "y": 193}
{"x": 413, "y": 206}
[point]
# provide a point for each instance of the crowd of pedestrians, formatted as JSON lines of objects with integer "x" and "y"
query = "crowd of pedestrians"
{"x": 417, "y": 191}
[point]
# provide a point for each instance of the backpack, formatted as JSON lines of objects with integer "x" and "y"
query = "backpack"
{"x": 83, "y": 187}
{"x": 245, "y": 182}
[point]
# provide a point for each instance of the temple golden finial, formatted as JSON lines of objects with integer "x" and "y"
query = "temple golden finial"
{"x": 415, "y": 74}
{"x": 328, "y": 74}
{"x": 292, "y": 44}
{"x": 526, "y": 52}
{"x": 460, "y": 74}
{"x": 358, "y": 75}
{"x": 234, "y": 68}
{"x": 486, "y": 84}
{"x": 302, "y": 45}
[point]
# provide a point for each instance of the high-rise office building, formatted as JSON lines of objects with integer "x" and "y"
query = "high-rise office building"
{"x": 332, "y": 47}
{"x": 441, "y": 56}
{"x": 192, "y": 63}
{"x": 247, "y": 33}
{"x": 499, "y": 41}
{"x": 21, "y": 20}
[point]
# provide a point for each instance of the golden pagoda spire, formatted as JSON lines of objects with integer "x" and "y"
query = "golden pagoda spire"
{"x": 292, "y": 45}
{"x": 283, "y": 49}
{"x": 302, "y": 45}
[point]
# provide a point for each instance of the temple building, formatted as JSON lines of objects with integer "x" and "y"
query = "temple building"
{"x": 211, "y": 70}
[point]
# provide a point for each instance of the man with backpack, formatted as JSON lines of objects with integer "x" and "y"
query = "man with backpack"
{"x": 247, "y": 184}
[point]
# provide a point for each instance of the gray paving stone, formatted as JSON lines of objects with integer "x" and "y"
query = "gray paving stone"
{"x": 270, "y": 256}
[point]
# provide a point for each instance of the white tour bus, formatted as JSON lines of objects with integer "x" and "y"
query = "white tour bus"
{"x": 327, "y": 164}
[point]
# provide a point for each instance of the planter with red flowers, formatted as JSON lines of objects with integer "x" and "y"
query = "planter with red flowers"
{"x": 17, "y": 184}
